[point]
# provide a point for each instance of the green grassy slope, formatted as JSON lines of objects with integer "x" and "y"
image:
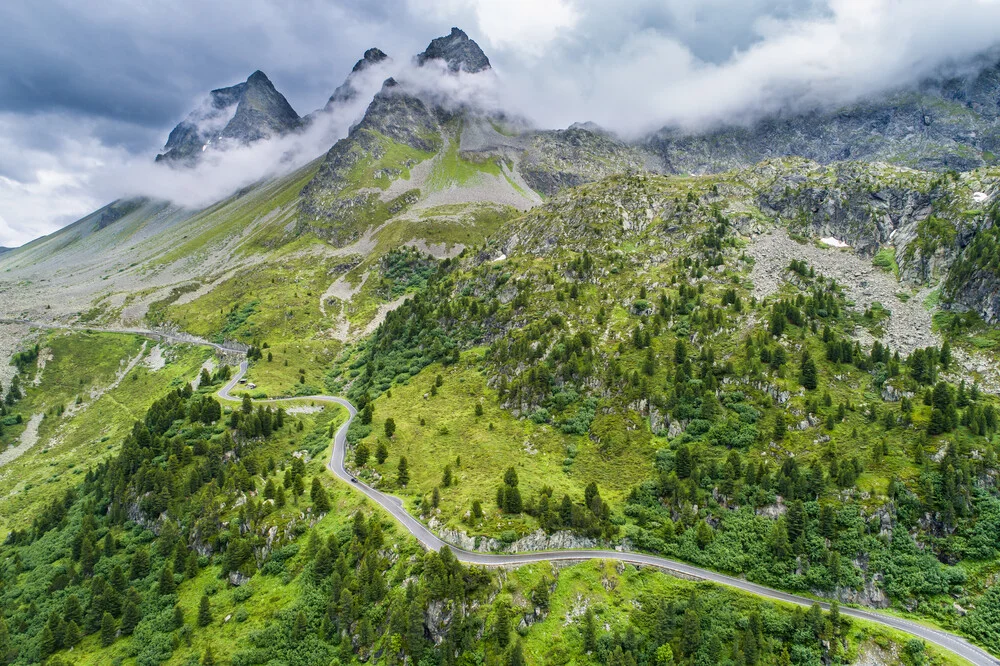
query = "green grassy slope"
{"x": 619, "y": 322}
{"x": 138, "y": 569}
{"x": 88, "y": 402}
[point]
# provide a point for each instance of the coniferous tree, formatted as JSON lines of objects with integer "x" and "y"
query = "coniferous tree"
{"x": 501, "y": 625}
{"x": 4, "y": 640}
{"x": 204, "y": 611}
{"x": 72, "y": 638}
{"x": 131, "y": 616}
{"x": 808, "y": 376}
{"x": 691, "y": 633}
{"x": 589, "y": 631}
{"x": 140, "y": 565}
{"x": 402, "y": 472}
{"x": 178, "y": 617}
{"x": 321, "y": 502}
{"x": 107, "y": 630}
{"x": 72, "y": 610}
{"x": 167, "y": 585}
{"x": 47, "y": 642}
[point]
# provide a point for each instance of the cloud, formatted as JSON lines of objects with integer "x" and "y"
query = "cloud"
{"x": 89, "y": 92}
{"x": 671, "y": 69}
{"x": 47, "y": 164}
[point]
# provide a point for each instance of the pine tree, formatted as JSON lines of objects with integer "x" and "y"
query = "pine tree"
{"x": 107, "y": 630}
{"x": 140, "y": 565}
{"x": 808, "y": 375}
{"x": 361, "y": 455}
{"x": 167, "y": 585}
{"x": 4, "y": 640}
{"x": 204, "y": 611}
{"x": 390, "y": 427}
{"x": 682, "y": 462}
{"x": 191, "y": 566}
{"x": 300, "y": 627}
{"x": 501, "y": 625}
{"x": 47, "y": 642}
{"x": 72, "y": 637}
{"x": 381, "y": 453}
{"x": 72, "y": 610}
{"x": 402, "y": 472}
{"x": 321, "y": 502}
{"x": 691, "y": 632}
{"x": 208, "y": 659}
{"x": 131, "y": 617}
{"x": 589, "y": 631}
{"x": 178, "y": 617}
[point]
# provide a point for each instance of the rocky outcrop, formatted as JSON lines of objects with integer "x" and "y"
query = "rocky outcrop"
{"x": 870, "y": 594}
{"x": 334, "y": 204}
{"x": 437, "y": 619}
{"x": 946, "y": 124}
{"x": 347, "y": 91}
{"x": 244, "y": 113}
{"x": 554, "y": 160}
{"x": 458, "y": 51}
{"x": 845, "y": 204}
{"x": 537, "y": 540}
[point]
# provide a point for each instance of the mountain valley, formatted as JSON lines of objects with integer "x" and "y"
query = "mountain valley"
{"x": 767, "y": 351}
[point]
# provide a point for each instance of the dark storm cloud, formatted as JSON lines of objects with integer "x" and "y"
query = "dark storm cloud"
{"x": 144, "y": 62}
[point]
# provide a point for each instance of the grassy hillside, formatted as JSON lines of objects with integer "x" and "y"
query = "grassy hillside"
{"x": 200, "y": 543}
{"x": 84, "y": 392}
{"x": 616, "y": 336}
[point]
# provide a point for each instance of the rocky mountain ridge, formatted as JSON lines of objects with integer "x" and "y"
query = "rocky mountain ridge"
{"x": 244, "y": 113}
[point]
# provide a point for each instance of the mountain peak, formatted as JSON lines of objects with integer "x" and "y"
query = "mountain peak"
{"x": 259, "y": 78}
{"x": 245, "y": 112}
{"x": 373, "y": 56}
{"x": 347, "y": 90}
{"x": 458, "y": 51}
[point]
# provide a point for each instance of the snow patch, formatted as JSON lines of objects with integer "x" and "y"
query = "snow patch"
{"x": 980, "y": 197}
{"x": 833, "y": 242}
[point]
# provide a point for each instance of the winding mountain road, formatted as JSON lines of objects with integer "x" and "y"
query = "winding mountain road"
{"x": 946, "y": 640}
{"x": 394, "y": 506}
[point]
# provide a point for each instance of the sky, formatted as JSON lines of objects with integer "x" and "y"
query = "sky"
{"x": 90, "y": 89}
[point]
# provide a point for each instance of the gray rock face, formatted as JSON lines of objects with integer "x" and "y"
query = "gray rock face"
{"x": 262, "y": 112}
{"x": 247, "y": 112}
{"x": 945, "y": 124}
{"x": 458, "y": 51}
{"x": 347, "y": 91}
{"x": 555, "y": 160}
{"x": 846, "y": 207}
{"x": 333, "y": 206}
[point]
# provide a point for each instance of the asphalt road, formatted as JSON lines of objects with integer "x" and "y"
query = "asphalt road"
{"x": 394, "y": 506}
